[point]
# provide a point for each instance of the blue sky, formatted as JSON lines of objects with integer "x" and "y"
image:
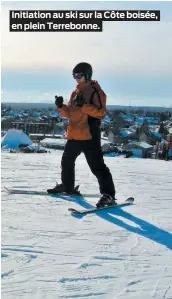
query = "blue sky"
{"x": 131, "y": 60}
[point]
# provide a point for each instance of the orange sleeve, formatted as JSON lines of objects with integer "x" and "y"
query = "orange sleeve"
{"x": 97, "y": 109}
{"x": 64, "y": 111}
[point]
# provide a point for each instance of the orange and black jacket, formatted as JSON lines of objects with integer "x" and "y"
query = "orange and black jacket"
{"x": 83, "y": 120}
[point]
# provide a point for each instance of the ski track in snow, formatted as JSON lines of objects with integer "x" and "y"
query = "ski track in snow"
{"x": 47, "y": 253}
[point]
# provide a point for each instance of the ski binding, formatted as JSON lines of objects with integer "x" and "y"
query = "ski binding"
{"x": 128, "y": 201}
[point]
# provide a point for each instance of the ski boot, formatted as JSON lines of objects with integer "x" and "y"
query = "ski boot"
{"x": 60, "y": 189}
{"x": 106, "y": 200}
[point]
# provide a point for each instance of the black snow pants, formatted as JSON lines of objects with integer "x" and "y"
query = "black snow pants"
{"x": 94, "y": 156}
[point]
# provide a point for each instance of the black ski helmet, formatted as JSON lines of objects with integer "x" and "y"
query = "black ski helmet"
{"x": 85, "y": 68}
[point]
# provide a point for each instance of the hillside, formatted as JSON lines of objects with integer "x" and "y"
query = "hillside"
{"x": 122, "y": 253}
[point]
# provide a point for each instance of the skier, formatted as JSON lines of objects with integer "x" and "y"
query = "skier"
{"x": 86, "y": 107}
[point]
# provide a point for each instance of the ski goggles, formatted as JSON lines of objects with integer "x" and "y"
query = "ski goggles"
{"x": 78, "y": 76}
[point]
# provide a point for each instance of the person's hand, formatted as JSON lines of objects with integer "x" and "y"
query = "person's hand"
{"x": 59, "y": 101}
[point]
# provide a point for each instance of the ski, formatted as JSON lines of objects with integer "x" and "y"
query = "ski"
{"x": 45, "y": 193}
{"x": 128, "y": 201}
{"x": 23, "y": 191}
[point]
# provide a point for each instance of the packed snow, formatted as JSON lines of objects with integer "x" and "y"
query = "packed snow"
{"x": 53, "y": 142}
{"x": 121, "y": 253}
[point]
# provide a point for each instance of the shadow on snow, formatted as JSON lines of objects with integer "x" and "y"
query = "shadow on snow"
{"x": 145, "y": 229}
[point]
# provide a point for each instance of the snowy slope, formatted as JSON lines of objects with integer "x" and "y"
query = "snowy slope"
{"x": 119, "y": 253}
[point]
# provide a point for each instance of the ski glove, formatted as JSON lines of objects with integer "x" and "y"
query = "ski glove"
{"x": 78, "y": 100}
{"x": 59, "y": 101}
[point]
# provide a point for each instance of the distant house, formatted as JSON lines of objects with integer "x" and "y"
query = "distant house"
{"x": 149, "y": 120}
{"x": 106, "y": 119}
{"x": 128, "y": 133}
{"x": 140, "y": 149}
{"x": 123, "y": 136}
{"x": 143, "y": 137}
{"x": 128, "y": 118}
{"x": 33, "y": 127}
{"x": 155, "y": 136}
